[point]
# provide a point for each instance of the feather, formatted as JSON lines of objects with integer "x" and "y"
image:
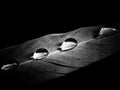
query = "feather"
{"x": 58, "y": 56}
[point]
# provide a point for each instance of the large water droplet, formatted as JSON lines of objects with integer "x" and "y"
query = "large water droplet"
{"x": 68, "y": 44}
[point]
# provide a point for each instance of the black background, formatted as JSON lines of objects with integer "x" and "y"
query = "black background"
{"x": 19, "y": 24}
{"x": 22, "y": 23}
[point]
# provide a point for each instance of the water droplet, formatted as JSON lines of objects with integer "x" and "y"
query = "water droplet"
{"x": 68, "y": 44}
{"x": 107, "y": 31}
{"x": 40, "y": 53}
{"x": 10, "y": 65}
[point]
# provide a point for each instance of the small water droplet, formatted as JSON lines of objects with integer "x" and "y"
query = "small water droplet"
{"x": 10, "y": 65}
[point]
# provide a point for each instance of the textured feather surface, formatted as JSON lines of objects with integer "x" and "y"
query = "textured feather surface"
{"x": 57, "y": 63}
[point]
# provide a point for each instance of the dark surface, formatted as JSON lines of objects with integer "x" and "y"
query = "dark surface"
{"x": 19, "y": 25}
